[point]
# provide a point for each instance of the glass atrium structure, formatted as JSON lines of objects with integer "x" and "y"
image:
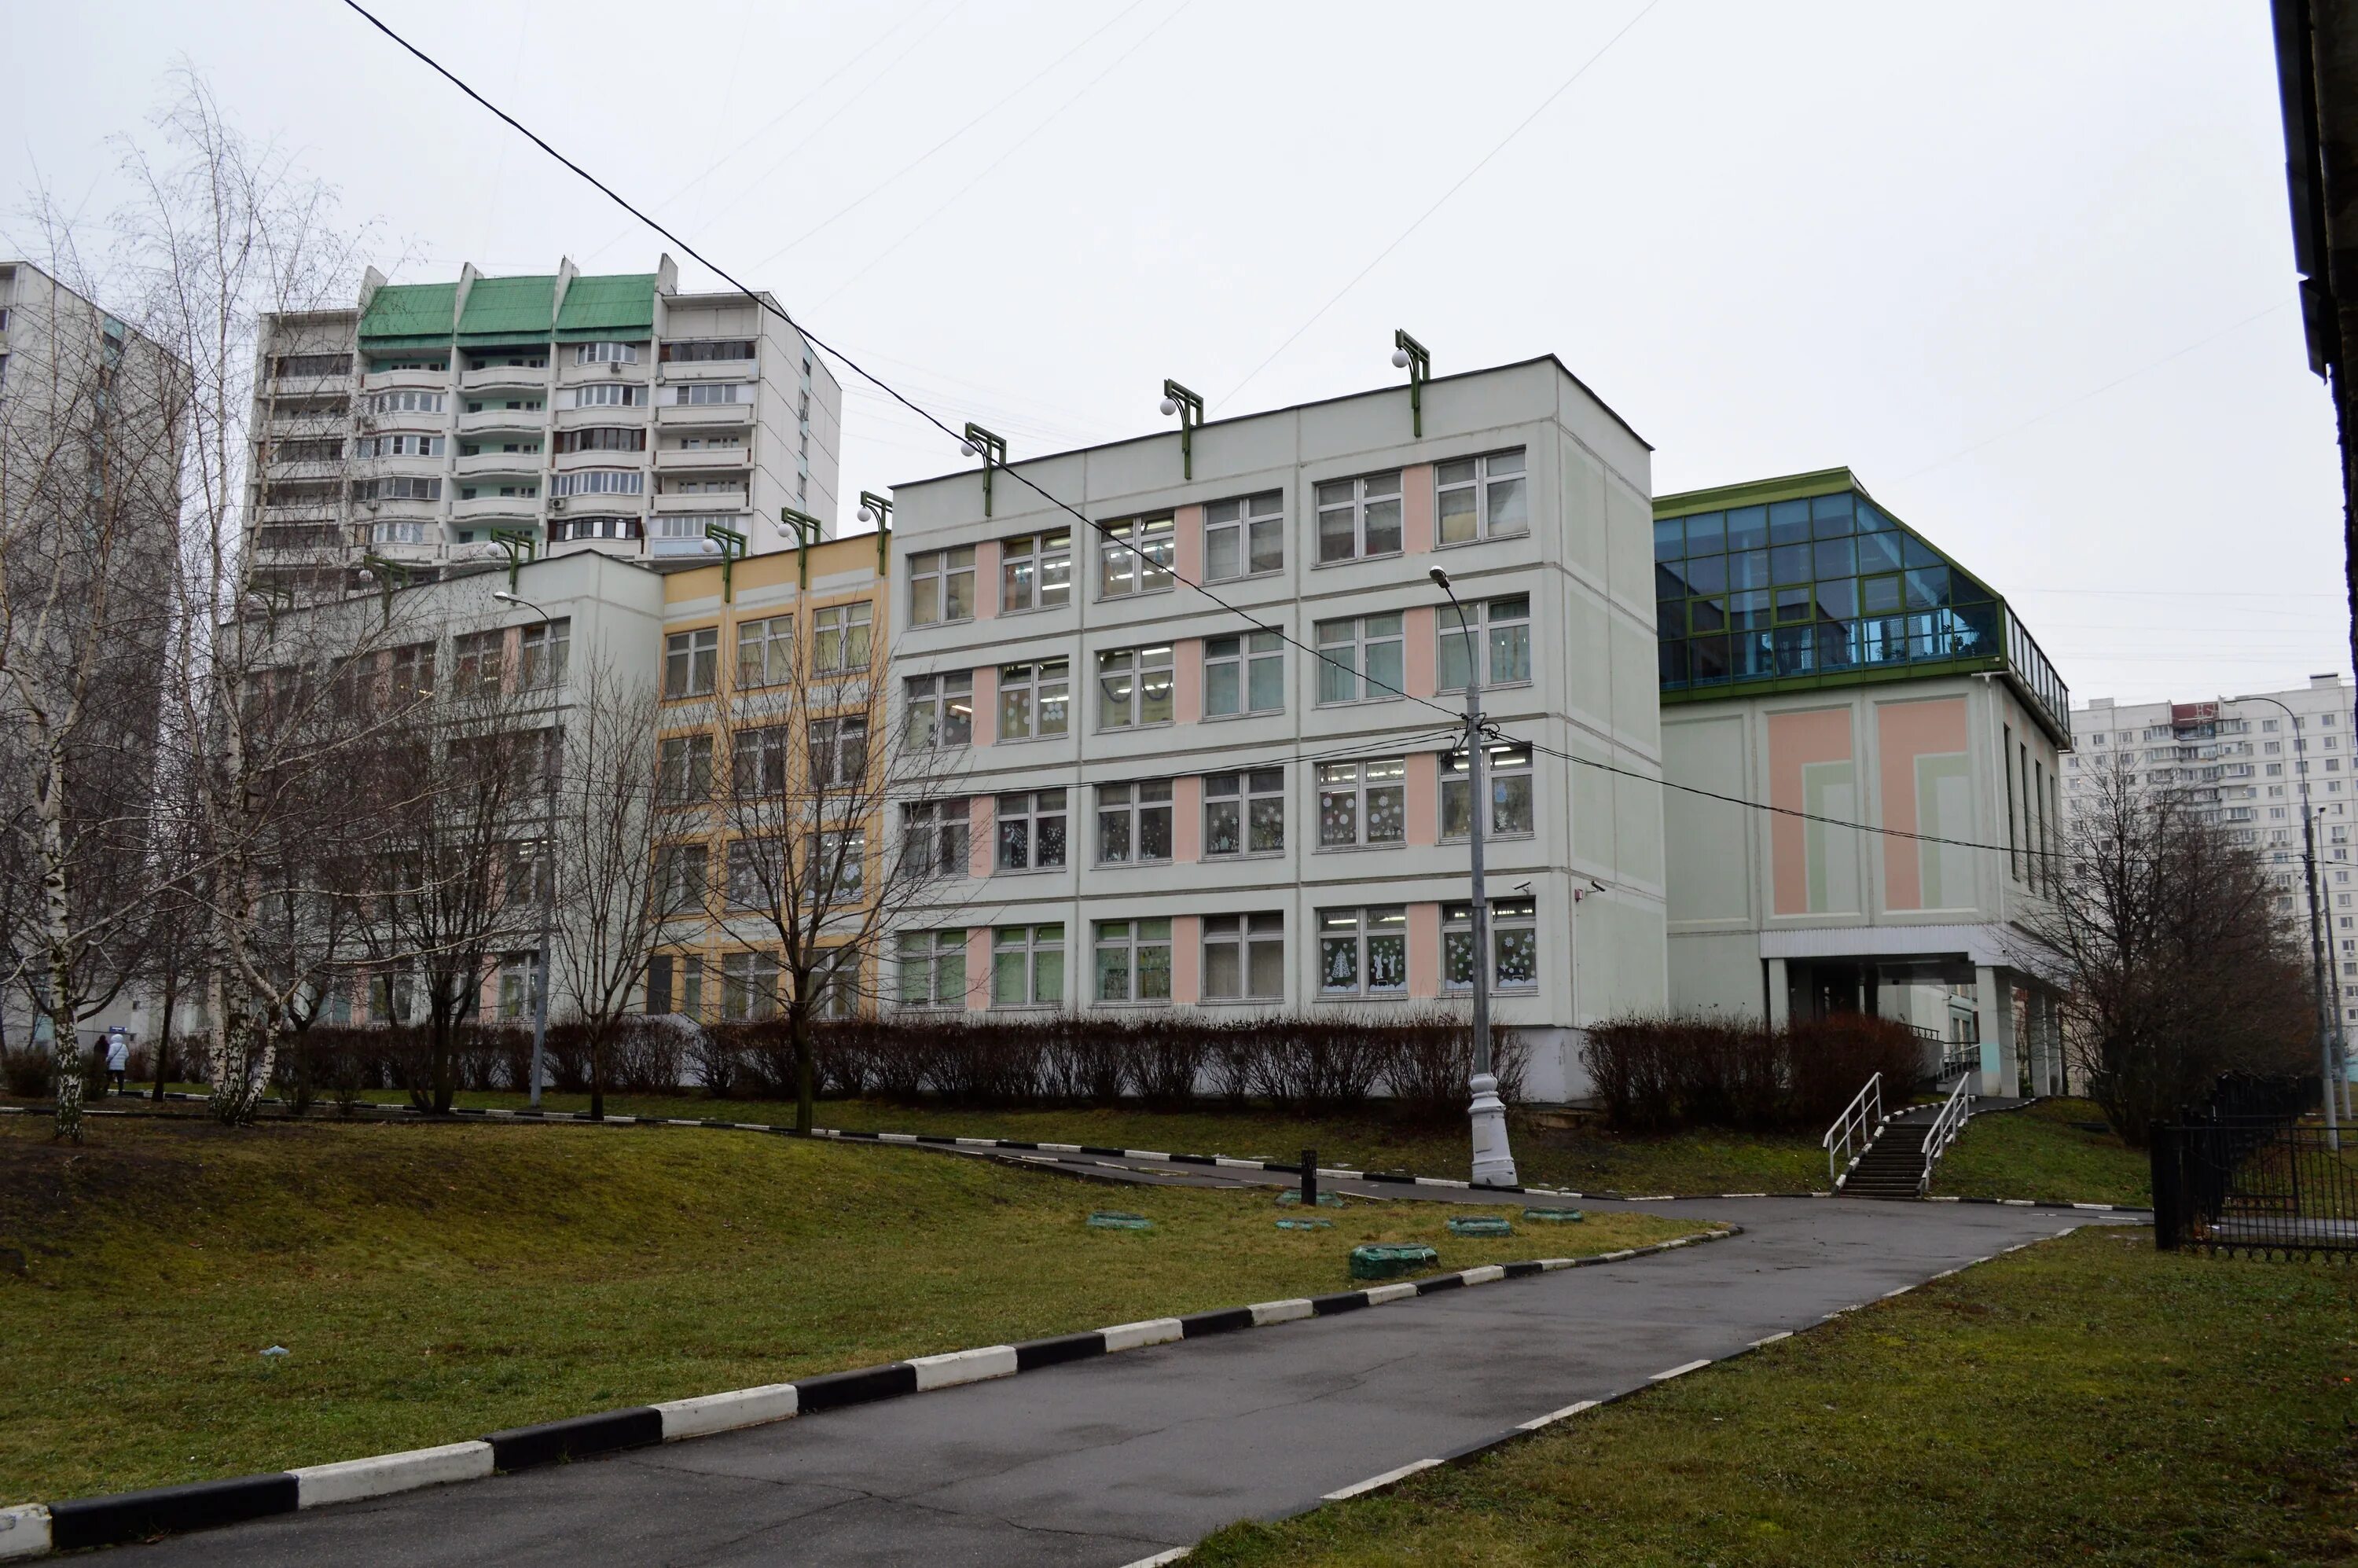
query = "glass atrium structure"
{"x": 1804, "y": 582}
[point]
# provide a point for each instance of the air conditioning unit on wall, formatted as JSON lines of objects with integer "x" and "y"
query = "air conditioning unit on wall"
{"x": 614, "y": 367}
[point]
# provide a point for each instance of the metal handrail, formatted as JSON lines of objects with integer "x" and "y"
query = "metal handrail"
{"x": 1856, "y": 1123}
{"x": 1954, "y": 1112}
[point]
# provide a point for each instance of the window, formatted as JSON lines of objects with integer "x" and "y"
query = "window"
{"x": 934, "y": 834}
{"x": 684, "y": 770}
{"x": 1244, "y": 814}
{"x": 1246, "y": 536}
{"x": 611, "y": 394}
{"x": 941, "y": 586}
{"x": 516, "y": 975}
{"x": 1508, "y": 770}
{"x": 1135, "y": 556}
{"x": 1134, "y": 822}
{"x": 680, "y": 871}
{"x": 606, "y": 353}
{"x": 547, "y": 648}
{"x": 765, "y": 651}
{"x": 405, "y": 403}
{"x": 837, "y": 873}
{"x": 758, "y": 761}
{"x": 1483, "y": 498}
{"x": 1359, "y": 659}
{"x": 603, "y": 439}
{"x": 1133, "y": 960}
{"x": 688, "y": 969}
{"x": 690, "y": 661}
{"x": 1362, "y": 804}
{"x": 1027, "y": 965}
{"x": 751, "y": 872}
{"x": 839, "y": 637}
{"x": 701, "y": 350}
{"x": 1359, "y": 517}
{"x": 1244, "y": 957}
{"x": 749, "y": 987}
{"x": 835, "y": 982}
{"x": 412, "y": 674}
{"x": 1244, "y": 675}
{"x": 1032, "y": 831}
{"x": 397, "y": 487}
{"x": 477, "y": 657}
{"x": 1508, "y": 646}
{"x": 565, "y": 528}
{"x": 703, "y": 395}
{"x": 940, "y": 710}
{"x": 1134, "y": 687}
{"x": 307, "y": 364}
{"x": 1363, "y": 952}
{"x": 933, "y": 969}
{"x": 838, "y": 751}
{"x": 1514, "y": 945}
{"x": 1035, "y": 572}
{"x": 1034, "y": 700}
{"x": 598, "y": 481}
{"x": 363, "y": 447}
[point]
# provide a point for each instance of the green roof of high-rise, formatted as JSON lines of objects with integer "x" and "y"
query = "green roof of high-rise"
{"x": 619, "y": 306}
{"x": 408, "y": 315}
{"x": 509, "y": 310}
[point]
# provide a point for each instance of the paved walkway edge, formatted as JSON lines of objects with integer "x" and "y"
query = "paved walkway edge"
{"x": 34, "y": 1530}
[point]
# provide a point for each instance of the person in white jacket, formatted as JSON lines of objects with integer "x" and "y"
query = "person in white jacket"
{"x": 118, "y": 1057}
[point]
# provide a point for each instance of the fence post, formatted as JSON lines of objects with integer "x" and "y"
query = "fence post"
{"x": 2167, "y": 1169}
{"x": 1310, "y": 1178}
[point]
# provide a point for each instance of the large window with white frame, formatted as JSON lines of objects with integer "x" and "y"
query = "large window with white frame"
{"x": 939, "y": 710}
{"x": 564, "y": 529}
{"x": 405, "y": 403}
{"x": 1244, "y": 537}
{"x": 1134, "y": 822}
{"x": 704, "y": 351}
{"x": 1244, "y": 813}
{"x": 838, "y": 871}
{"x": 765, "y": 651}
{"x": 1035, "y": 572}
{"x": 839, "y": 637}
{"x": 1034, "y": 700}
{"x": 1031, "y": 830}
{"x": 710, "y": 393}
{"x": 1133, "y": 960}
{"x": 1363, "y": 805}
{"x": 1482, "y": 498}
{"x": 611, "y": 394}
{"x": 1027, "y": 965}
{"x": 1359, "y": 517}
{"x": 1363, "y": 952}
{"x": 684, "y": 770}
{"x": 1514, "y": 945}
{"x": 1134, "y": 687}
{"x": 397, "y": 487}
{"x": 691, "y": 660}
{"x": 680, "y": 872}
{"x": 1360, "y": 658}
{"x": 941, "y": 586}
{"x": 1507, "y": 768}
{"x": 758, "y": 763}
{"x": 933, "y": 838}
{"x": 933, "y": 969}
{"x": 1244, "y": 957}
{"x": 838, "y": 751}
{"x": 1244, "y": 674}
{"x": 598, "y": 481}
{"x": 1135, "y": 556}
{"x": 547, "y": 651}
{"x": 605, "y": 354}
{"x": 382, "y": 447}
{"x": 1504, "y": 629}
{"x": 749, "y": 987}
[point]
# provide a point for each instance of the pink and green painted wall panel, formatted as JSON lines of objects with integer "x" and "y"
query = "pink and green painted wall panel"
{"x": 1813, "y": 777}
{"x": 1925, "y": 778}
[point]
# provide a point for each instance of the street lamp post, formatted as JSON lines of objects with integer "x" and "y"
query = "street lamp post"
{"x": 548, "y": 879}
{"x": 2326, "y": 1012}
{"x": 1494, "y": 1163}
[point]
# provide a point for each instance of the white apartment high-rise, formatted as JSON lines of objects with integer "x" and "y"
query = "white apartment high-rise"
{"x": 2246, "y": 763}
{"x": 441, "y": 423}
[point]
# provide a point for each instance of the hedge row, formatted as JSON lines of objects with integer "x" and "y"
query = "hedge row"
{"x": 1659, "y": 1075}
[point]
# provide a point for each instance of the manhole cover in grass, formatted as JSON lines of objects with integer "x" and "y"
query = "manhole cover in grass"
{"x": 1325, "y": 1200}
{"x": 1555, "y": 1215}
{"x": 1305, "y": 1225}
{"x": 1378, "y": 1260}
{"x": 1105, "y": 1219}
{"x": 1480, "y": 1225}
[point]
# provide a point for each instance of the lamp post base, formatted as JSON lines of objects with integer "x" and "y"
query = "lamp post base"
{"x": 1494, "y": 1166}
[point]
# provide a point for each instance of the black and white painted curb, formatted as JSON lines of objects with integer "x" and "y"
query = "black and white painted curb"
{"x": 1142, "y": 1156}
{"x": 32, "y": 1530}
{"x": 1480, "y": 1446}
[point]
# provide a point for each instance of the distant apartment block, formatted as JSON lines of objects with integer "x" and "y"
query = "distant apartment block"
{"x": 2249, "y": 764}
{"x": 439, "y": 423}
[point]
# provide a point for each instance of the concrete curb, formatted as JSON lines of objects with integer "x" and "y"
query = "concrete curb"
{"x": 1157, "y": 1156}
{"x": 34, "y": 1530}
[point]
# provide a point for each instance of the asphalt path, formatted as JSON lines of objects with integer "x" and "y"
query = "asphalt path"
{"x": 1107, "y": 1462}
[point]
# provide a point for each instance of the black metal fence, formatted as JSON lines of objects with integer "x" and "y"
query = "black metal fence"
{"x": 2243, "y": 1174}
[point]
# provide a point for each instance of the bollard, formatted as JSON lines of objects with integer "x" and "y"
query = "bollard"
{"x": 1310, "y": 1178}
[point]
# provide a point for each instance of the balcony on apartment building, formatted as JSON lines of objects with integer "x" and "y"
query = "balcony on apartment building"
{"x": 473, "y": 464}
{"x": 677, "y": 459}
{"x": 731, "y": 500}
{"x": 520, "y": 510}
{"x": 414, "y": 378}
{"x": 493, "y": 378}
{"x": 317, "y": 536}
{"x": 489, "y": 417}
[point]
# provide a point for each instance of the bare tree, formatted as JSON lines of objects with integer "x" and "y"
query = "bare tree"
{"x": 840, "y": 828}
{"x": 608, "y": 824}
{"x": 2175, "y": 969}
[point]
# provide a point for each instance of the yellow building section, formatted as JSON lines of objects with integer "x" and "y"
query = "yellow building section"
{"x": 795, "y": 641}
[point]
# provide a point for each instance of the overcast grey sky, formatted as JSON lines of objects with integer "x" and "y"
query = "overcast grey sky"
{"x": 2027, "y": 269}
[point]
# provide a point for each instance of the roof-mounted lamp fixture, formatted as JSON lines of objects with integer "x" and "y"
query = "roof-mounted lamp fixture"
{"x": 387, "y": 575}
{"x": 1410, "y": 355}
{"x": 990, "y": 449}
{"x": 520, "y": 548}
{"x": 730, "y": 546}
{"x": 807, "y": 532}
{"x": 874, "y": 509}
{"x": 1177, "y": 399}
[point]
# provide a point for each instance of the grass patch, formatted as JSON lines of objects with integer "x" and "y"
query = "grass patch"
{"x": 436, "y": 1282}
{"x": 2035, "y": 1152}
{"x": 2088, "y": 1400}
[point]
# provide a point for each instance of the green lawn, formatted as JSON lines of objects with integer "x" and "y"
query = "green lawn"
{"x": 436, "y": 1282}
{"x": 2035, "y": 1152}
{"x": 2087, "y": 1401}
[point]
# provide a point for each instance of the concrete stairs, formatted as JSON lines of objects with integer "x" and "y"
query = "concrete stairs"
{"x": 1893, "y": 1165}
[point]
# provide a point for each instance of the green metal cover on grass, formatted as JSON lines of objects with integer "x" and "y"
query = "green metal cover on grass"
{"x": 622, "y": 305}
{"x": 1380, "y": 1261}
{"x": 509, "y": 310}
{"x": 1105, "y": 1220}
{"x": 410, "y": 315}
{"x": 1480, "y": 1225}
